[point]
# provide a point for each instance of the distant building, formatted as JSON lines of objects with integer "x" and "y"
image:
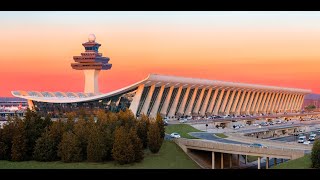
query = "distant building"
{"x": 165, "y": 94}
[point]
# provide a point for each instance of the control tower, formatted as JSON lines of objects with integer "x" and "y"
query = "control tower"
{"x": 91, "y": 62}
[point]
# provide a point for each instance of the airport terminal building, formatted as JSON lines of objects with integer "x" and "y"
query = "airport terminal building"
{"x": 165, "y": 94}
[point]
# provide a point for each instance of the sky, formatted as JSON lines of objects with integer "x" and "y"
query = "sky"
{"x": 268, "y": 48}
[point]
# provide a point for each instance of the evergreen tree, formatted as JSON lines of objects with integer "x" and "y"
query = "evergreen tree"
{"x": 6, "y": 135}
{"x": 97, "y": 148}
{"x": 154, "y": 138}
{"x": 161, "y": 126}
{"x": 142, "y": 129}
{"x": 45, "y": 149}
{"x": 70, "y": 148}
{"x": 81, "y": 130}
{"x": 19, "y": 143}
{"x": 137, "y": 145}
{"x": 315, "y": 154}
{"x": 123, "y": 150}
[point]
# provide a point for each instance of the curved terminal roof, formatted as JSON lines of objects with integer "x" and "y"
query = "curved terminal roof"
{"x": 73, "y": 97}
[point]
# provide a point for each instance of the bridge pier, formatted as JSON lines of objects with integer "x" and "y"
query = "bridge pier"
{"x": 213, "y": 160}
{"x": 245, "y": 160}
{"x": 221, "y": 161}
{"x": 230, "y": 160}
{"x": 259, "y": 160}
{"x": 267, "y": 163}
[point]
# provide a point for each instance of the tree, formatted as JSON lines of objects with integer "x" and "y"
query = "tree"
{"x": 70, "y": 148}
{"x": 82, "y": 130}
{"x": 315, "y": 154}
{"x": 310, "y": 107}
{"x": 142, "y": 129}
{"x": 6, "y": 135}
{"x": 154, "y": 138}
{"x": 19, "y": 143}
{"x": 137, "y": 145}
{"x": 97, "y": 148}
{"x": 161, "y": 126}
{"x": 123, "y": 150}
{"x": 45, "y": 149}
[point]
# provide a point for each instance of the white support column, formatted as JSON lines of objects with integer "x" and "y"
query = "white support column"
{"x": 293, "y": 101}
{"x": 221, "y": 161}
{"x": 189, "y": 108}
{"x": 286, "y": 108}
{"x": 211, "y": 104}
{"x": 237, "y": 112}
{"x": 213, "y": 160}
{"x": 274, "y": 102}
{"x": 30, "y": 104}
{"x": 253, "y": 106}
{"x": 166, "y": 102}
{"x": 301, "y": 102}
{"x": 175, "y": 103}
{"x": 245, "y": 103}
{"x": 197, "y": 107}
{"x": 283, "y": 103}
{"x": 233, "y": 108}
{"x": 262, "y": 102}
{"x": 259, "y": 161}
{"x": 279, "y": 103}
{"x": 205, "y": 103}
{"x": 297, "y": 104}
{"x": 216, "y": 108}
{"x": 91, "y": 81}
{"x": 224, "y": 103}
{"x": 184, "y": 101}
{"x": 250, "y": 102}
{"x": 256, "y": 106}
{"x": 154, "y": 110}
{"x": 267, "y": 163}
{"x": 230, "y": 102}
{"x": 268, "y": 110}
{"x": 136, "y": 99}
{"x": 265, "y": 105}
{"x": 146, "y": 104}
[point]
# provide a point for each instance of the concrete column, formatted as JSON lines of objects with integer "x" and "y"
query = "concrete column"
{"x": 146, "y": 104}
{"x": 279, "y": 102}
{"x": 197, "y": 107}
{"x": 189, "y": 108}
{"x": 175, "y": 103}
{"x": 246, "y": 159}
{"x": 230, "y": 102}
{"x": 262, "y": 102}
{"x": 259, "y": 161}
{"x": 211, "y": 104}
{"x": 247, "y": 110}
{"x": 270, "y": 103}
{"x": 238, "y": 159}
{"x": 274, "y": 161}
{"x": 31, "y": 104}
{"x": 293, "y": 101}
{"x": 265, "y": 105}
{"x": 245, "y": 103}
{"x": 284, "y": 102}
{"x": 289, "y": 101}
{"x": 136, "y": 99}
{"x": 301, "y": 102}
{"x": 254, "y": 104}
{"x": 221, "y": 161}
{"x": 154, "y": 110}
{"x": 230, "y": 161}
{"x": 237, "y": 112}
{"x": 91, "y": 81}
{"x": 205, "y": 103}
{"x": 216, "y": 108}
{"x": 166, "y": 102}
{"x": 184, "y": 101}
{"x": 296, "y": 102}
{"x": 213, "y": 160}
{"x": 274, "y": 102}
{"x": 224, "y": 103}
{"x": 234, "y": 105}
{"x": 256, "y": 107}
{"x": 267, "y": 163}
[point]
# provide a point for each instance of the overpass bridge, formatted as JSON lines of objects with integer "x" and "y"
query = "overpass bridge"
{"x": 229, "y": 153}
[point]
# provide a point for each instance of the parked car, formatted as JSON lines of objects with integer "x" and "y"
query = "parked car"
{"x": 175, "y": 135}
{"x": 165, "y": 122}
{"x": 312, "y": 137}
{"x": 306, "y": 142}
{"x": 255, "y": 124}
{"x": 257, "y": 145}
{"x": 302, "y": 139}
{"x": 183, "y": 120}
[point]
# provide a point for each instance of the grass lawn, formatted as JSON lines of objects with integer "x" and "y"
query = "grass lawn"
{"x": 252, "y": 158}
{"x": 221, "y": 135}
{"x": 300, "y": 163}
{"x": 170, "y": 156}
{"x": 182, "y": 129}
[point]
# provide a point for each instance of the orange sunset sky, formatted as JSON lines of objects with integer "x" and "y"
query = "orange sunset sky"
{"x": 270, "y": 48}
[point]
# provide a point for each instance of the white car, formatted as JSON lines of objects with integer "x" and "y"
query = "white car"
{"x": 255, "y": 124}
{"x": 183, "y": 120}
{"x": 312, "y": 137}
{"x": 175, "y": 135}
{"x": 306, "y": 142}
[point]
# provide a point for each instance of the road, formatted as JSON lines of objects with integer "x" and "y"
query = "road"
{"x": 212, "y": 137}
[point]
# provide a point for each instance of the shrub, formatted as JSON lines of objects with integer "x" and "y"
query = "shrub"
{"x": 160, "y": 123}
{"x": 123, "y": 150}
{"x": 154, "y": 138}
{"x": 137, "y": 145}
{"x": 142, "y": 130}
{"x": 315, "y": 154}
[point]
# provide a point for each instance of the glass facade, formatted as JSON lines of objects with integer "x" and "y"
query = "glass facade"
{"x": 114, "y": 104}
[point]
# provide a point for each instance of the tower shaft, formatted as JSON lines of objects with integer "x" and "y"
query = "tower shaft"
{"x": 91, "y": 81}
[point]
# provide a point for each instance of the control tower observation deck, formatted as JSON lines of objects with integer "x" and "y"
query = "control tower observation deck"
{"x": 91, "y": 62}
